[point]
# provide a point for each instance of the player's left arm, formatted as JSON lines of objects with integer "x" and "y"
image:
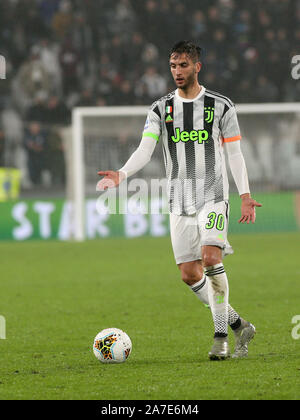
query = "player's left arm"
{"x": 248, "y": 213}
{"x": 239, "y": 172}
{"x": 231, "y": 138}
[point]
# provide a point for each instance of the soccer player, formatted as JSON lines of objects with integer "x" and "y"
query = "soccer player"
{"x": 196, "y": 126}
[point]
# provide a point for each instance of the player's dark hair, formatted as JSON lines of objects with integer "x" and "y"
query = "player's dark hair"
{"x": 187, "y": 47}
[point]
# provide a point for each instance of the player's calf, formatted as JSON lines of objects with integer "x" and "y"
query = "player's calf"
{"x": 191, "y": 272}
{"x": 218, "y": 292}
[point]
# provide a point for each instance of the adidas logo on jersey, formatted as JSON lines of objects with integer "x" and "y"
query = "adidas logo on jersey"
{"x": 200, "y": 136}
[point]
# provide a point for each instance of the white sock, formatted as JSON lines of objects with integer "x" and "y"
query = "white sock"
{"x": 218, "y": 293}
{"x": 201, "y": 291}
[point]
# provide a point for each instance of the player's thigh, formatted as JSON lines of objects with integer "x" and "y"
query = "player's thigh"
{"x": 213, "y": 224}
{"x": 185, "y": 238}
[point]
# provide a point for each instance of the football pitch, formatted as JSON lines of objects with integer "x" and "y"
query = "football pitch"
{"x": 55, "y": 297}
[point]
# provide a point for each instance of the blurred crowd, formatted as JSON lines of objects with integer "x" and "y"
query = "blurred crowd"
{"x": 65, "y": 53}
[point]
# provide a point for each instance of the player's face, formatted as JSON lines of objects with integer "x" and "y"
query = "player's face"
{"x": 184, "y": 70}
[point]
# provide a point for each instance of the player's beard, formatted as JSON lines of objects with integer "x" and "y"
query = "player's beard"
{"x": 189, "y": 82}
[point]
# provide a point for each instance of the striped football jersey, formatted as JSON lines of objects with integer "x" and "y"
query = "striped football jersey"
{"x": 192, "y": 133}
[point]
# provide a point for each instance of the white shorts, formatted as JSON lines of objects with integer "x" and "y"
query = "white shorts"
{"x": 207, "y": 227}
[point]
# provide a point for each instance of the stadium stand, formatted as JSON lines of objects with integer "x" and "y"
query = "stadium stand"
{"x": 62, "y": 53}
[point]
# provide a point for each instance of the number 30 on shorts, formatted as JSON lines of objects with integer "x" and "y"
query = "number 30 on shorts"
{"x": 215, "y": 220}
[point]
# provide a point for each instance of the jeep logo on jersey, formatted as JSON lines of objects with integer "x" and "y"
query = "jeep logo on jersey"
{"x": 200, "y": 136}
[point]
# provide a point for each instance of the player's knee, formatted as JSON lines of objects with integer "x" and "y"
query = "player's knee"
{"x": 210, "y": 259}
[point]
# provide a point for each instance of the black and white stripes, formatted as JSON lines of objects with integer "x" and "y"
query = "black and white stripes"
{"x": 211, "y": 271}
{"x": 192, "y": 149}
{"x": 198, "y": 287}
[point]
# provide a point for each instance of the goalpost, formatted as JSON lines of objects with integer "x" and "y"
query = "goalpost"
{"x": 101, "y": 133}
{"x": 78, "y": 155}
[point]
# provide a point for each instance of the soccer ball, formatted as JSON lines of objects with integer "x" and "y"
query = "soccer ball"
{"x": 112, "y": 346}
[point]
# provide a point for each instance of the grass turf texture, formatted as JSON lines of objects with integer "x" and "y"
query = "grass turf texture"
{"x": 57, "y": 296}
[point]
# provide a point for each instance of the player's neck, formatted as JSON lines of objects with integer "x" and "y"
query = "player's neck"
{"x": 190, "y": 92}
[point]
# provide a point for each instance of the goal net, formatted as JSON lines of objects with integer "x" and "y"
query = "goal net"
{"x": 103, "y": 138}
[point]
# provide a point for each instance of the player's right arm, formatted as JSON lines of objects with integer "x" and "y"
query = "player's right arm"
{"x": 138, "y": 159}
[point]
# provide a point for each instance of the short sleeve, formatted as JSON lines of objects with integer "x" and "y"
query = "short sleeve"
{"x": 229, "y": 126}
{"x": 152, "y": 127}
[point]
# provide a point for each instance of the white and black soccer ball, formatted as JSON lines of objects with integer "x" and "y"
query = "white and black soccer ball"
{"x": 112, "y": 345}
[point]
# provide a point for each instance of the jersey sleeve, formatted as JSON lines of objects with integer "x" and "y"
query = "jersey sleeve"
{"x": 229, "y": 126}
{"x": 238, "y": 167}
{"x": 152, "y": 127}
{"x": 150, "y": 137}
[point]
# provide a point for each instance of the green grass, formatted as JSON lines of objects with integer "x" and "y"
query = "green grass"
{"x": 57, "y": 296}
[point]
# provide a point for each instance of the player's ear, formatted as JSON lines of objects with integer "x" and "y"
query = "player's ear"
{"x": 198, "y": 66}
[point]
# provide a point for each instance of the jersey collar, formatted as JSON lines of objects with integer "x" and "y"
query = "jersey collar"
{"x": 201, "y": 93}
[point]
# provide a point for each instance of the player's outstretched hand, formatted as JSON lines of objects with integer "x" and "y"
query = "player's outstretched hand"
{"x": 248, "y": 210}
{"x": 111, "y": 179}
